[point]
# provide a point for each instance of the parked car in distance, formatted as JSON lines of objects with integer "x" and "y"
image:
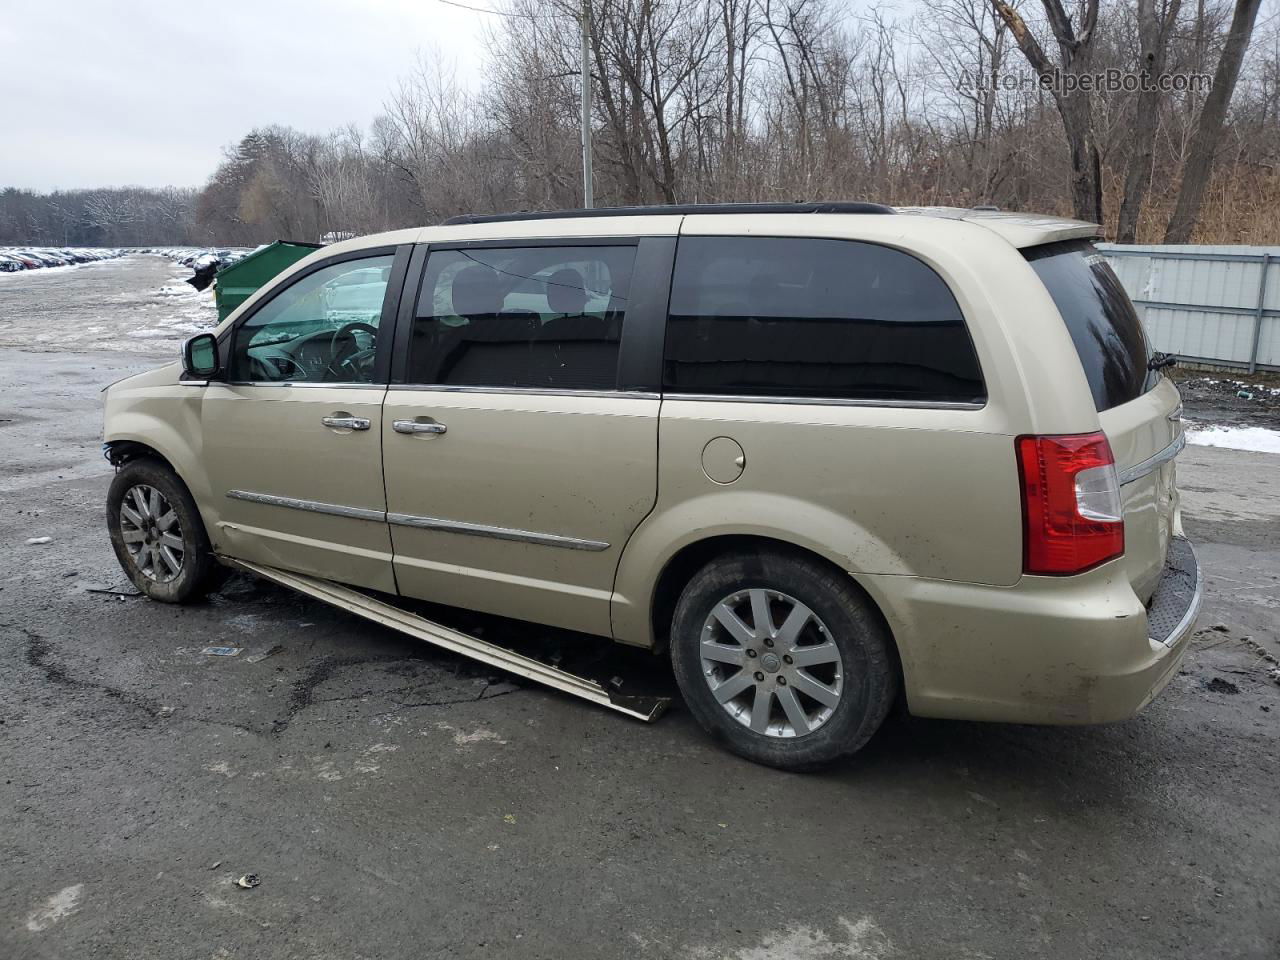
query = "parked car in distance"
{"x": 39, "y": 257}
{"x": 823, "y": 455}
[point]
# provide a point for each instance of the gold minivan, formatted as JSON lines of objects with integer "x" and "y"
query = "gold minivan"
{"x": 824, "y": 455}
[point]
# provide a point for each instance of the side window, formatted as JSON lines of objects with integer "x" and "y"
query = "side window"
{"x": 799, "y": 317}
{"x": 548, "y": 317}
{"x": 323, "y": 328}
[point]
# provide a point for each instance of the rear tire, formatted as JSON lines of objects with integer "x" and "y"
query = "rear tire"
{"x": 157, "y": 533}
{"x": 807, "y": 686}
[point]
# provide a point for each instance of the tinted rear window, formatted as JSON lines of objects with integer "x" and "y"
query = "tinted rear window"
{"x": 801, "y": 317}
{"x": 1104, "y": 327}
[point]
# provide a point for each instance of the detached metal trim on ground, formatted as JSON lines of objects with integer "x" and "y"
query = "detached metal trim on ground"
{"x": 642, "y": 708}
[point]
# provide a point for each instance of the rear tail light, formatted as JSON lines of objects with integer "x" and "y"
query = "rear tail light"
{"x": 1072, "y": 519}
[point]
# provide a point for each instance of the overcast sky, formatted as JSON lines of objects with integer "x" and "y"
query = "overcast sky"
{"x": 149, "y": 92}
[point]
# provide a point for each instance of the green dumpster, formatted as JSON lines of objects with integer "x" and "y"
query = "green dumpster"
{"x": 237, "y": 282}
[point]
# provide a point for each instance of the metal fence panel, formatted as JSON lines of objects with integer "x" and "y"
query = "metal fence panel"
{"x": 1269, "y": 343}
{"x": 1217, "y": 304}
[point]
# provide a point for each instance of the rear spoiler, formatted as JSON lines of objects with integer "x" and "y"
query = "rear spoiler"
{"x": 1020, "y": 229}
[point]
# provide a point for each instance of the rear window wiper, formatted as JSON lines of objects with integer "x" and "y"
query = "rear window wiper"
{"x": 1160, "y": 361}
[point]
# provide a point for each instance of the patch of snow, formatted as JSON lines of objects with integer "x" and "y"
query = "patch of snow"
{"x": 860, "y": 940}
{"x": 1260, "y": 439}
{"x": 62, "y": 904}
{"x": 44, "y": 271}
{"x": 464, "y": 738}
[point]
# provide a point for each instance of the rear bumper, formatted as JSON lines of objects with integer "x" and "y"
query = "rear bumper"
{"x": 1046, "y": 650}
{"x": 1176, "y": 602}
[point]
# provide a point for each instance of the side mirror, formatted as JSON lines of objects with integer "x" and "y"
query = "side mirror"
{"x": 200, "y": 357}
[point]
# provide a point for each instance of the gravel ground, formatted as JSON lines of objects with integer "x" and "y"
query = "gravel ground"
{"x": 137, "y": 304}
{"x": 396, "y": 801}
{"x": 1233, "y": 398}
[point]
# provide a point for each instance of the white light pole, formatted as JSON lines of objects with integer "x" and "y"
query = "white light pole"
{"x": 587, "y": 192}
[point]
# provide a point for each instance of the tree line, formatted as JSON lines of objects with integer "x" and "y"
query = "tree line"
{"x": 960, "y": 102}
{"x": 108, "y": 217}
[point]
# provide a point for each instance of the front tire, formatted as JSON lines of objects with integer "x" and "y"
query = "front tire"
{"x": 157, "y": 533}
{"x": 782, "y": 659}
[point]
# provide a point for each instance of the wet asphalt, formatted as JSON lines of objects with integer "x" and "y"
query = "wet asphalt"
{"x": 396, "y": 801}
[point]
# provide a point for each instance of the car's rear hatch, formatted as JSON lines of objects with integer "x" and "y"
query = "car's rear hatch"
{"x": 1139, "y": 409}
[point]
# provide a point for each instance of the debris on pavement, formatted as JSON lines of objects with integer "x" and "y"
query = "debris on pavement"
{"x": 259, "y": 657}
{"x": 117, "y": 592}
{"x": 221, "y": 651}
{"x": 248, "y": 881}
{"x": 1225, "y": 400}
{"x": 37, "y": 541}
{"x": 205, "y": 269}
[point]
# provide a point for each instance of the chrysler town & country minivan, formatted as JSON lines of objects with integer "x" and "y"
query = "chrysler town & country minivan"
{"x": 825, "y": 456}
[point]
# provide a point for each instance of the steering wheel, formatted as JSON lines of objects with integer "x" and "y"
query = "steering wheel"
{"x": 345, "y": 357}
{"x": 280, "y": 367}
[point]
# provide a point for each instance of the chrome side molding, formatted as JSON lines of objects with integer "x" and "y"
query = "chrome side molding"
{"x": 311, "y": 506}
{"x": 829, "y": 401}
{"x": 497, "y": 533}
{"x": 423, "y": 523}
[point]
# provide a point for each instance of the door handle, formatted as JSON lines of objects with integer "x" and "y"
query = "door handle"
{"x": 417, "y": 426}
{"x": 346, "y": 423}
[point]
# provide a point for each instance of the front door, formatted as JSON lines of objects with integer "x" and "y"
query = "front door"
{"x": 516, "y": 469}
{"x": 292, "y": 438}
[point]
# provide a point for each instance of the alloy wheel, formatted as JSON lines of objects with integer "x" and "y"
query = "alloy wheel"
{"x": 770, "y": 662}
{"x": 152, "y": 533}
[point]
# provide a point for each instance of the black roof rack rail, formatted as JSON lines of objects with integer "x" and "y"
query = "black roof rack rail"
{"x": 841, "y": 206}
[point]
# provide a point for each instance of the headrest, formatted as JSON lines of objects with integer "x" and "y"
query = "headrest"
{"x": 566, "y": 292}
{"x": 476, "y": 290}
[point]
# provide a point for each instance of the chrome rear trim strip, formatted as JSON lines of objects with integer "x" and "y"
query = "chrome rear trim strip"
{"x": 497, "y": 533}
{"x": 311, "y": 506}
{"x": 1140, "y": 470}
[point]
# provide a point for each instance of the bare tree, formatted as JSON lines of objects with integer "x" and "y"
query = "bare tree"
{"x": 1075, "y": 106}
{"x": 1156, "y": 20}
{"x": 431, "y": 135}
{"x": 1196, "y": 171}
{"x": 761, "y": 100}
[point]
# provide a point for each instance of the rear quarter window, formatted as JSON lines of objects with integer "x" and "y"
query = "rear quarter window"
{"x": 821, "y": 318}
{"x": 1103, "y": 324}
